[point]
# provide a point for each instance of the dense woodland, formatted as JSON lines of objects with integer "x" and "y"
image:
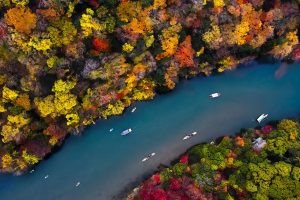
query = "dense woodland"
{"x": 66, "y": 63}
{"x": 257, "y": 164}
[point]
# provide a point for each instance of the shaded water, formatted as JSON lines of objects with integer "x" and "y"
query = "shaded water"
{"x": 106, "y": 162}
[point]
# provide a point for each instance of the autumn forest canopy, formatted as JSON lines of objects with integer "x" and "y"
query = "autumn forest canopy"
{"x": 65, "y": 64}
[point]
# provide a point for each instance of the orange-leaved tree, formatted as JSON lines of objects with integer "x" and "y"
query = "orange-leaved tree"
{"x": 23, "y": 20}
{"x": 185, "y": 53}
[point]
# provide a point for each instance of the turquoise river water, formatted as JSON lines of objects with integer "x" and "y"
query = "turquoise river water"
{"x": 106, "y": 163}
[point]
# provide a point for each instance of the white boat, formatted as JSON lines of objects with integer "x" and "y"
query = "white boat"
{"x": 186, "y": 137}
{"x": 194, "y": 133}
{"x": 31, "y": 171}
{"x": 148, "y": 157}
{"x": 262, "y": 117}
{"x": 126, "y": 132}
{"x": 110, "y": 130}
{"x": 215, "y": 95}
{"x": 212, "y": 142}
{"x": 133, "y": 109}
{"x": 46, "y": 176}
{"x": 145, "y": 159}
{"x": 189, "y": 135}
{"x": 77, "y": 184}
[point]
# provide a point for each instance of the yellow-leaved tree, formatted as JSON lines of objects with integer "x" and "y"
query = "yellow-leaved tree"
{"x": 144, "y": 90}
{"x": 72, "y": 119}
{"x": 9, "y": 94}
{"x": 61, "y": 103}
{"x": 169, "y": 41}
{"x": 89, "y": 24}
{"x": 213, "y": 37}
{"x": 13, "y": 127}
{"x": 29, "y": 158}
{"x": 113, "y": 109}
{"x": 127, "y": 10}
{"x": 240, "y": 32}
{"x": 6, "y": 161}
{"x": 219, "y": 3}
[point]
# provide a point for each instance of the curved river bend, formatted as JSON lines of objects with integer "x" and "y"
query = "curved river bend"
{"x": 106, "y": 162}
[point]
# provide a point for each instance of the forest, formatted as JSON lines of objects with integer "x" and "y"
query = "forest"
{"x": 262, "y": 164}
{"x": 65, "y": 64}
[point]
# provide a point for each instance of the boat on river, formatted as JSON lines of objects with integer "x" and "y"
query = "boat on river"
{"x": 31, "y": 171}
{"x": 189, "y": 135}
{"x": 133, "y": 109}
{"x": 77, "y": 184}
{"x": 111, "y": 130}
{"x": 262, "y": 117}
{"x": 194, "y": 133}
{"x": 215, "y": 95}
{"x": 126, "y": 132}
{"x": 46, "y": 176}
{"x": 186, "y": 137}
{"x": 148, "y": 157}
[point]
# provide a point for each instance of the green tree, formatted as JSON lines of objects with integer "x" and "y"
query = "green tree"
{"x": 178, "y": 169}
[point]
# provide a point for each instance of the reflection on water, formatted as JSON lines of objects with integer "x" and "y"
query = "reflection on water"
{"x": 281, "y": 70}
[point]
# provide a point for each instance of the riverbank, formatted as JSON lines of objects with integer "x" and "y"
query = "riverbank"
{"x": 256, "y": 163}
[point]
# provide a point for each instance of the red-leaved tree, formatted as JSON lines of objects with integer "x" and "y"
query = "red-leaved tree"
{"x": 100, "y": 45}
{"x": 185, "y": 53}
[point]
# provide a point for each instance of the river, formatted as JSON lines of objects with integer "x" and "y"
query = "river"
{"x": 105, "y": 163}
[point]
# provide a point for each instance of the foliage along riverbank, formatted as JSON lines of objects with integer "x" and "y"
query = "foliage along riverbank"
{"x": 64, "y": 64}
{"x": 256, "y": 164}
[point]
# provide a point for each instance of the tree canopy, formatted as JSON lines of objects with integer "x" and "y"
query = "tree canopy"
{"x": 64, "y": 64}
